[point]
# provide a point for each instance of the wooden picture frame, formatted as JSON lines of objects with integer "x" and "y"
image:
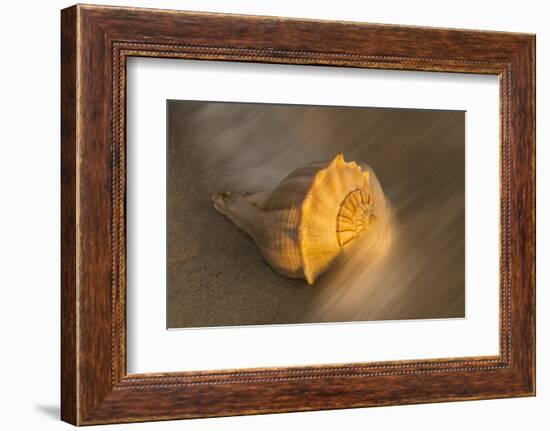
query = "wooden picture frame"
{"x": 95, "y": 43}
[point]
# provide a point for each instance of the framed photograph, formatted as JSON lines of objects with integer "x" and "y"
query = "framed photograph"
{"x": 264, "y": 215}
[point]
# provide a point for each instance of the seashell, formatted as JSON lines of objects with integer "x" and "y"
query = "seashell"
{"x": 307, "y": 221}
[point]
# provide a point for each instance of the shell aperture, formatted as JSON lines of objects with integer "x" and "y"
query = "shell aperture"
{"x": 306, "y": 221}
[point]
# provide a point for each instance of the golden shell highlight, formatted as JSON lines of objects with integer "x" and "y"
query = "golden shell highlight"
{"x": 303, "y": 225}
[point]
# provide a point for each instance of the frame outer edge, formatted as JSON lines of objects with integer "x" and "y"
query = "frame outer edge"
{"x": 531, "y": 62}
{"x": 523, "y": 251}
{"x": 69, "y": 331}
{"x": 533, "y": 54}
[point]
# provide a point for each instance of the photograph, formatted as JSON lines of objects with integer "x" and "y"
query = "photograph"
{"x": 292, "y": 214}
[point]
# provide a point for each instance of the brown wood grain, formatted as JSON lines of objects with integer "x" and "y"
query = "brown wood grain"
{"x": 96, "y": 41}
{"x": 68, "y": 218}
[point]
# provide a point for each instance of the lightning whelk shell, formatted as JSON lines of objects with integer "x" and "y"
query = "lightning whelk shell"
{"x": 310, "y": 217}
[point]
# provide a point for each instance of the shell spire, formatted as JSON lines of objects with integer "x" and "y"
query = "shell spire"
{"x": 304, "y": 224}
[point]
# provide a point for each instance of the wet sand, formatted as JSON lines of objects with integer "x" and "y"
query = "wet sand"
{"x": 216, "y": 276}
